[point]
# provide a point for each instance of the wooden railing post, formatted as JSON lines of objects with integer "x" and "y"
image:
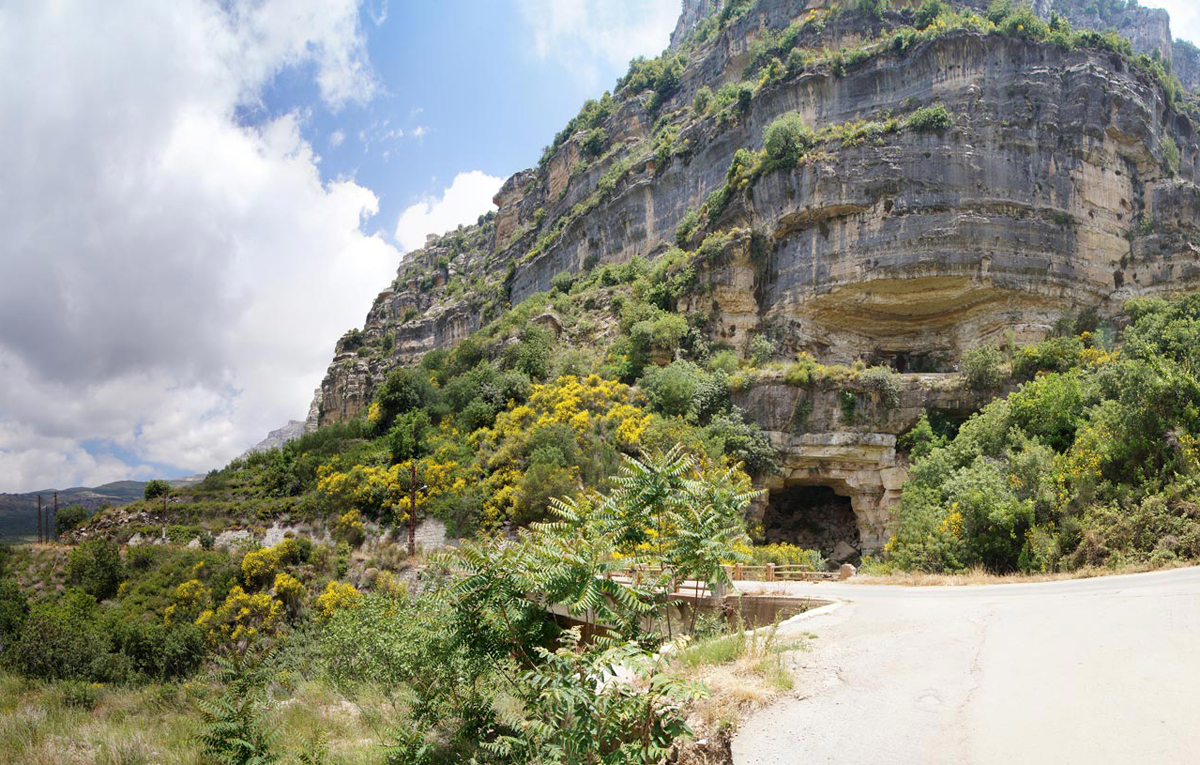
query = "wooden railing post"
{"x": 770, "y": 572}
{"x": 737, "y": 572}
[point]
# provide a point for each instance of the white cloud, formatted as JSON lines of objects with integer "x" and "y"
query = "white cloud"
{"x": 469, "y": 196}
{"x": 582, "y": 35}
{"x": 172, "y": 279}
{"x": 420, "y": 131}
{"x": 337, "y": 138}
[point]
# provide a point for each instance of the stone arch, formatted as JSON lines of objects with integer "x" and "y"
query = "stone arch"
{"x": 814, "y": 514}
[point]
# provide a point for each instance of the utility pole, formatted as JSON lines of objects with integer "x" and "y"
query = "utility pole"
{"x": 412, "y": 511}
{"x": 39, "y": 519}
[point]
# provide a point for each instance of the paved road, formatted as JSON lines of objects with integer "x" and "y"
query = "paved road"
{"x": 1087, "y": 671}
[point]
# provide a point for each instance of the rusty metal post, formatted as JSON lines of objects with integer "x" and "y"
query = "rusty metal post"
{"x": 51, "y": 535}
{"x": 412, "y": 511}
{"x": 39, "y": 519}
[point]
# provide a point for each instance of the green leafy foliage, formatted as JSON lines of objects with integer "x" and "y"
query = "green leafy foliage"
{"x": 873, "y": 8}
{"x": 69, "y": 517}
{"x": 1094, "y": 460}
{"x": 930, "y": 119}
{"x": 584, "y": 705}
{"x": 786, "y": 140}
{"x": 156, "y": 488}
{"x": 233, "y": 731}
{"x": 96, "y": 567}
{"x": 981, "y": 367}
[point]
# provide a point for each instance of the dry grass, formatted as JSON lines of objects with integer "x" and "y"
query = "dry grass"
{"x": 744, "y": 671}
{"x": 157, "y": 724}
{"x": 981, "y": 576}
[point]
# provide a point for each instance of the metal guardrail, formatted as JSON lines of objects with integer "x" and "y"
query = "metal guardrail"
{"x": 783, "y": 572}
{"x": 738, "y": 572}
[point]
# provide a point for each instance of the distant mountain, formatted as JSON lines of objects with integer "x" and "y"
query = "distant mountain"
{"x": 277, "y": 438}
{"x": 18, "y": 512}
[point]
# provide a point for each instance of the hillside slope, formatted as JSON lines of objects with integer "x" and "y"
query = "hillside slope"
{"x": 960, "y": 177}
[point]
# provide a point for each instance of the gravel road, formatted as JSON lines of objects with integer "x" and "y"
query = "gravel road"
{"x": 1086, "y": 671}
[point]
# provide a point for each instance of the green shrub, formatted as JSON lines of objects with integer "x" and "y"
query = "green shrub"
{"x": 980, "y": 367}
{"x": 995, "y": 519}
{"x": 786, "y": 140}
{"x": 724, "y": 361}
{"x": 928, "y": 13}
{"x": 671, "y": 389}
{"x": 78, "y": 694}
{"x": 14, "y": 608}
{"x": 1024, "y": 23}
{"x": 759, "y": 350}
{"x": 69, "y": 517}
{"x": 562, "y": 282}
{"x": 919, "y": 440}
{"x": 742, "y": 442}
{"x": 930, "y": 119}
{"x": 62, "y": 640}
{"x": 1058, "y": 354}
{"x": 848, "y": 402}
{"x": 403, "y": 390}
{"x": 884, "y": 382}
{"x": 96, "y": 567}
{"x": 156, "y": 488}
{"x": 531, "y": 354}
{"x": 1050, "y": 408}
{"x": 595, "y": 141}
{"x": 687, "y": 224}
{"x": 874, "y": 8}
{"x": 999, "y": 10}
{"x": 704, "y": 97}
{"x": 159, "y": 651}
{"x": 1170, "y": 153}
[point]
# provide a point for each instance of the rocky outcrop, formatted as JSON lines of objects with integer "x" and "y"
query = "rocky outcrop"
{"x": 690, "y": 16}
{"x": 843, "y": 436}
{"x": 1064, "y": 183}
{"x": 280, "y": 436}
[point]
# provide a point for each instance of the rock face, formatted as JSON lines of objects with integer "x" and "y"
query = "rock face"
{"x": 846, "y": 443}
{"x": 1055, "y": 190}
{"x": 277, "y": 438}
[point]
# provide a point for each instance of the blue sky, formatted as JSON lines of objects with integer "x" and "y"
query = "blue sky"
{"x": 463, "y": 87}
{"x": 201, "y": 196}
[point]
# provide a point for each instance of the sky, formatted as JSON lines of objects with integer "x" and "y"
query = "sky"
{"x": 198, "y": 197}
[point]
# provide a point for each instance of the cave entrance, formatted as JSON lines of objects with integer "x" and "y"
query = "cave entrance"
{"x": 815, "y": 518}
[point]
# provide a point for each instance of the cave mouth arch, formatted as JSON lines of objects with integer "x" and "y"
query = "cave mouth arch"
{"x": 815, "y": 517}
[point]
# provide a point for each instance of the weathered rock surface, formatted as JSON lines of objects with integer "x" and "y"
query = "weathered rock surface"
{"x": 1052, "y": 193}
{"x": 278, "y": 437}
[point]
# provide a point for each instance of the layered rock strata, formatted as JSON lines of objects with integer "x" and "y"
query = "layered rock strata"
{"x": 1064, "y": 184}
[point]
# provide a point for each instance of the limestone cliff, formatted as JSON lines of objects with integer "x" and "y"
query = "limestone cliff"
{"x": 1063, "y": 182}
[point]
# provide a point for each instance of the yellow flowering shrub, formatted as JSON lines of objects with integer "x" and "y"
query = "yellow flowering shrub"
{"x": 191, "y": 597}
{"x": 289, "y": 590}
{"x": 258, "y": 566}
{"x": 242, "y": 618}
{"x": 435, "y": 476}
{"x": 366, "y": 488}
{"x": 337, "y": 595}
{"x": 592, "y": 408}
{"x": 349, "y": 527}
